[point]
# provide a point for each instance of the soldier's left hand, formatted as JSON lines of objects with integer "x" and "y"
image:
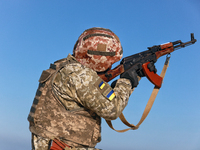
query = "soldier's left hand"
{"x": 152, "y": 67}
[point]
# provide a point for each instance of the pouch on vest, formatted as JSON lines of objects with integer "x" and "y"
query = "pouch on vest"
{"x": 44, "y": 76}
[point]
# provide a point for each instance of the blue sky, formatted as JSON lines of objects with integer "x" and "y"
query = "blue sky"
{"x": 34, "y": 34}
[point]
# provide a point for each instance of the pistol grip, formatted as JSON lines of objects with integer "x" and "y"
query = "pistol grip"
{"x": 153, "y": 77}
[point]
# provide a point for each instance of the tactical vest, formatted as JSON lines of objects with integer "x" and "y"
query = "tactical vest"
{"x": 50, "y": 119}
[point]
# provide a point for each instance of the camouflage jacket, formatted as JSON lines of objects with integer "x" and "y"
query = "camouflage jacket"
{"x": 70, "y": 101}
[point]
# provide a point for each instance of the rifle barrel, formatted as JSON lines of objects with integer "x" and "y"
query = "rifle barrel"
{"x": 181, "y": 44}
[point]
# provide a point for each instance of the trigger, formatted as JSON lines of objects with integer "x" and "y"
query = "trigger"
{"x": 153, "y": 77}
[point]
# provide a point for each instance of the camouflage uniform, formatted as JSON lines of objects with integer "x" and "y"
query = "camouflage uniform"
{"x": 69, "y": 104}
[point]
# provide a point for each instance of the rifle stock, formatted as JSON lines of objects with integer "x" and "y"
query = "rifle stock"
{"x": 111, "y": 74}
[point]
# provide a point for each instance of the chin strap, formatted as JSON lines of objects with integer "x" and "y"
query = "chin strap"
{"x": 147, "y": 108}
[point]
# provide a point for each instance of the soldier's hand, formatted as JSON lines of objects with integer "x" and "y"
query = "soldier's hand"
{"x": 152, "y": 67}
{"x": 132, "y": 76}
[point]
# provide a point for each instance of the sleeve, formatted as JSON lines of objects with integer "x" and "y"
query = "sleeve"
{"x": 99, "y": 96}
{"x": 85, "y": 87}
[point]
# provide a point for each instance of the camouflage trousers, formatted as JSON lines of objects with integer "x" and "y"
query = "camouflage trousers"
{"x": 40, "y": 143}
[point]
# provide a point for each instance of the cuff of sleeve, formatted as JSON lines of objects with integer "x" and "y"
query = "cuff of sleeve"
{"x": 124, "y": 81}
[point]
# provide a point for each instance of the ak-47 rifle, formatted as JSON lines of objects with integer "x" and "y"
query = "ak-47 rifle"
{"x": 140, "y": 61}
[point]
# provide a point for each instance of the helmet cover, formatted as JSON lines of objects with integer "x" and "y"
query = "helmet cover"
{"x": 98, "y": 49}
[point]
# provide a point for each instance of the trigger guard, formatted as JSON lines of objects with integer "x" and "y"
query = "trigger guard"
{"x": 152, "y": 77}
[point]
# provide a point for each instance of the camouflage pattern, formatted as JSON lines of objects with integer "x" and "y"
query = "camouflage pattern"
{"x": 39, "y": 143}
{"x": 77, "y": 82}
{"x": 69, "y": 104}
{"x": 104, "y": 41}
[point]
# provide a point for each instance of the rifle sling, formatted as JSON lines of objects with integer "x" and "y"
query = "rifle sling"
{"x": 147, "y": 108}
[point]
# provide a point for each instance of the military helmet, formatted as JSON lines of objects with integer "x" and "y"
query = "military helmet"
{"x": 98, "y": 49}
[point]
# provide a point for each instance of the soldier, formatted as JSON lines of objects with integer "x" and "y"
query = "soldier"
{"x": 71, "y": 97}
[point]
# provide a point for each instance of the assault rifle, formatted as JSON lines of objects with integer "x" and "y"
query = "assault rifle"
{"x": 140, "y": 61}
